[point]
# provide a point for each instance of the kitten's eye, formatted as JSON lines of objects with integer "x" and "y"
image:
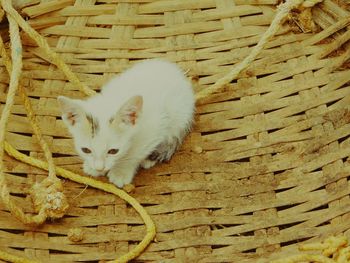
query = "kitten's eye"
{"x": 113, "y": 151}
{"x": 86, "y": 150}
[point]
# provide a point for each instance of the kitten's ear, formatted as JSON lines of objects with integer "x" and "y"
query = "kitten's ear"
{"x": 72, "y": 113}
{"x": 130, "y": 111}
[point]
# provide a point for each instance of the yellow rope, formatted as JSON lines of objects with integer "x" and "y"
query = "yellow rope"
{"x": 10, "y": 11}
{"x": 16, "y": 52}
{"x": 64, "y": 173}
{"x": 333, "y": 250}
{"x": 14, "y": 18}
{"x": 49, "y": 184}
{"x": 282, "y": 12}
{"x": 150, "y": 227}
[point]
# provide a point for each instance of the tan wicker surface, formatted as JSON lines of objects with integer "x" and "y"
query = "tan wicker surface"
{"x": 266, "y": 166}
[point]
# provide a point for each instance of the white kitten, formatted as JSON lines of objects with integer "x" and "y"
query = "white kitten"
{"x": 139, "y": 118}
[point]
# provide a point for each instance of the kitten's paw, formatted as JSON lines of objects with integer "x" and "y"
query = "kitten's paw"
{"x": 90, "y": 171}
{"x": 119, "y": 180}
{"x": 146, "y": 164}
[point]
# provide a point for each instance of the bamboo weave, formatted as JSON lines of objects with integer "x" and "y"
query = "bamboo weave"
{"x": 265, "y": 167}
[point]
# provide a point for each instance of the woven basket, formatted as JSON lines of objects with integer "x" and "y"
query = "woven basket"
{"x": 266, "y": 166}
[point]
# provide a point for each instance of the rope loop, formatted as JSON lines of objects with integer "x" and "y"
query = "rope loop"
{"x": 48, "y": 197}
{"x": 282, "y": 12}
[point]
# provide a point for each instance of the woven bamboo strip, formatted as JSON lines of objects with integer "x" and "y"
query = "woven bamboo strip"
{"x": 274, "y": 143}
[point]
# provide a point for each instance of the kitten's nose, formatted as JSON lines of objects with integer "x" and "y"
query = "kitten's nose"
{"x": 99, "y": 165}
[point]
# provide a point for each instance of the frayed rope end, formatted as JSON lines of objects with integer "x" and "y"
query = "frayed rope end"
{"x": 48, "y": 195}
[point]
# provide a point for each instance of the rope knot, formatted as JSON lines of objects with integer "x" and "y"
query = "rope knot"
{"x": 48, "y": 195}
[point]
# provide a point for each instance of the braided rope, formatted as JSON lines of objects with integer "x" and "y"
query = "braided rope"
{"x": 48, "y": 166}
{"x": 282, "y": 12}
{"x": 334, "y": 249}
{"x": 41, "y": 42}
{"x": 15, "y": 69}
{"x": 14, "y": 18}
{"x": 150, "y": 227}
{"x": 50, "y": 185}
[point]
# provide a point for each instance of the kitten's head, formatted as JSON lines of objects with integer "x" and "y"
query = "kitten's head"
{"x": 101, "y": 141}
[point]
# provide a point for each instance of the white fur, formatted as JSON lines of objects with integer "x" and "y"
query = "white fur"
{"x": 165, "y": 116}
